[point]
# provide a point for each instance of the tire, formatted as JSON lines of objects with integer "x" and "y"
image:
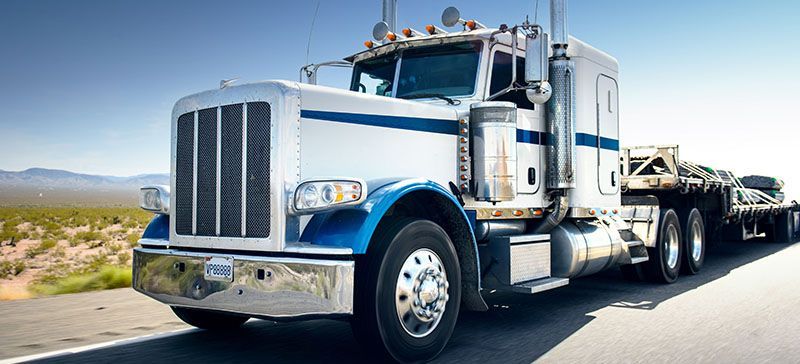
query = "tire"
{"x": 209, "y": 320}
{"x": 385, "y": 321}
{"x": 665, "y": 258}
{"x": 782, "y": 229}
{"x": 694, "y": 241}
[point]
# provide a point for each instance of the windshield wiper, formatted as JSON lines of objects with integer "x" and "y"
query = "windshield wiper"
{"x": 427, "y": 95}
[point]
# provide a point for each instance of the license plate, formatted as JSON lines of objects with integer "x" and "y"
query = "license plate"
{"x": 219, "y": 269}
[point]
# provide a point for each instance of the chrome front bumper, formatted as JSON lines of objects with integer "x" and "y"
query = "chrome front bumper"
{"x": 285, "y": 288}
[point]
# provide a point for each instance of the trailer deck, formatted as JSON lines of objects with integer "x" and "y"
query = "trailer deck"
{"x": 658, "y": 168}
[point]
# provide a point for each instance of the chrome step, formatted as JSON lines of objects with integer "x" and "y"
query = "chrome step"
{"x": 540, "y": 285}
{"x": 637, "y": 260}
{"x": 635, "y": 243}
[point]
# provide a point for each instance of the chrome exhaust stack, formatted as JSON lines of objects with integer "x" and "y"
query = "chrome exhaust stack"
{"x": 390, "y": 14}
{"x": 560, "y": 118}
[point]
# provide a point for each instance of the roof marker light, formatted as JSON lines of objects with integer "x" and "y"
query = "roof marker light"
{"x": 432, "y": 29}
{"x": 473, "y": 24}
{"x": 409, "y": 32}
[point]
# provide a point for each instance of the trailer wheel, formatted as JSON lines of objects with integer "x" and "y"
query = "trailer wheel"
{"x": 694, "y": 239}
{"x": 209, "y": 320}
{"x": 665, "y": 258}
{"x": 782, "y": 230}
{"x": 408, "y": 291}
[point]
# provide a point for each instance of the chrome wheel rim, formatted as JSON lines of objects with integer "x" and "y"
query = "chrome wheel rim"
{"x": 421, "y": 293}
{"x": 671, "y": 246}
{"x": 696, "y": 241}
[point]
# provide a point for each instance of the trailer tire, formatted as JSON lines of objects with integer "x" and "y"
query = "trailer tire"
{"x": 209, "y": 320}
{"x": 407, "y": 291}
{"x": 694, "y": 241}
{"x": 782, "y": 231}
{"x": 664, "y": 264}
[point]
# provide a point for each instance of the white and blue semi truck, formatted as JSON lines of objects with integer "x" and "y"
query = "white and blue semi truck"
{"x": 457, "y": 164}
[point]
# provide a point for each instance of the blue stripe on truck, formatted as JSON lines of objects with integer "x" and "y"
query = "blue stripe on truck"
{"x": 444, "y": 126}
{"x": 440, "y": 126}
{"x": 590, "y": 140}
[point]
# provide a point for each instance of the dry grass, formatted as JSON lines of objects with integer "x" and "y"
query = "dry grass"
{"x": 53, "y": 250}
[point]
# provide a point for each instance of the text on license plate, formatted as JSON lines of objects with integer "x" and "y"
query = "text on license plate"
{"x": 219, "y": 269}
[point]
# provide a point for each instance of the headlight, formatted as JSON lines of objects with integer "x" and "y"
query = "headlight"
{"x": 315, "y": 195}
{"x": 154, "y": 199}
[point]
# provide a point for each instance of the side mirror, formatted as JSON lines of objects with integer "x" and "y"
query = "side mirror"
{"x": 536, "y": 66}
{"x": 380, "y": 31}
{"x": 451, "y": 16}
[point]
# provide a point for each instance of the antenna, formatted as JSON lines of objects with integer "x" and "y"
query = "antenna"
{"x": 311, "y": 31}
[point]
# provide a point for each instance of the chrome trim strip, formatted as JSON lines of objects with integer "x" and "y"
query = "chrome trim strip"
{"x": 159, "y": 242}
{"x": 194, "y": 178}
{"x": 219, "y": 165}
{"x": 244, "y": 169}
{"x": 308, "y": 248}
{"x": 272, "y": 287}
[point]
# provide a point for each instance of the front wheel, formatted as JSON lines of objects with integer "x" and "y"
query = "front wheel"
{"x": 209, "y": 320}
{"x": 408, "y": 291}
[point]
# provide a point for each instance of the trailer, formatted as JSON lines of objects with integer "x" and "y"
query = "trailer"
{"x": 457, "y": 164}
{"x": 712, "y": 205}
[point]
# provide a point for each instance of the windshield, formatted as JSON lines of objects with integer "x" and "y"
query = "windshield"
{"x": 436, "y": 71}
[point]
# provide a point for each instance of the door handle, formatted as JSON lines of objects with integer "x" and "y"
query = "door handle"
{"x": 613, "y": 179}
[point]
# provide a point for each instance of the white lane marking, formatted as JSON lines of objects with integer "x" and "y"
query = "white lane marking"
{"x": 128, "y": 341}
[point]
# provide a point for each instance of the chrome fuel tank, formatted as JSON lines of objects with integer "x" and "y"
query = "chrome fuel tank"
{"x": 494, "y": 148}
{"x": 581, "y": 248}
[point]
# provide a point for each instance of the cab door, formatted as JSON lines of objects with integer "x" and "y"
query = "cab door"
{"x": 608, "y": 177}
{"x": 530, "y": 120}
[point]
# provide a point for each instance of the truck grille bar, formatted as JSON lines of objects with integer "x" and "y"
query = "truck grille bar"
{"x": 222, "y": 171}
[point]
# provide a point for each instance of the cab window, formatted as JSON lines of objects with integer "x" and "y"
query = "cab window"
{"x": 501, "y": 78}
{"x": 375, "y": 76}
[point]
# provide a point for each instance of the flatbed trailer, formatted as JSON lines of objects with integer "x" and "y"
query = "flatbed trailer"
{"x": 730, "y": 210}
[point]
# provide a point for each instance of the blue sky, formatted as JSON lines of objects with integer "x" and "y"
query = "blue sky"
{"x": 89, "y": 85}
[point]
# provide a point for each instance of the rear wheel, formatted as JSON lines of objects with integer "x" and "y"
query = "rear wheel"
{"x": 694, "y": 241}
{"x": 782, "y": 231}
{"x": 665, "y": 258}
{"x": 209, "y": 320}
{"x": 408, "y": 291}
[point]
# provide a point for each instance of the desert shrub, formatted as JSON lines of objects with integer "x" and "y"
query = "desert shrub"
{"x": 133, "y": 240}
{"x": 87, "y": 236}
{"x": 11, "y": 268}
{"x": 40, "y": 248}
{"x": 59, "y": 252}
{"x": 114, "y": 248}
{"x": 123, "y": 257}
{"x": 107, "y": 277}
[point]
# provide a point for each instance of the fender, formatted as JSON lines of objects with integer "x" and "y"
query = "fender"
{"x": 158, "y": 228}
{"x": 353, "y": 227}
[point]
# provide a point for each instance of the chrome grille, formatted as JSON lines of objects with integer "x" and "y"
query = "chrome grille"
{"x": 258, "y": 169}
{"x": 184, "y": 175}
{"x": 206, "y": 206}
{"x": 213, "y": 197}
{"x": 231, "y": 171}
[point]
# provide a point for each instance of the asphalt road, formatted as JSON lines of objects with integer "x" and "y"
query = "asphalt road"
{"x": 743, "y": 307}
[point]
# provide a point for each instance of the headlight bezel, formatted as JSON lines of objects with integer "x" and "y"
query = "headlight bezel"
{"x": 298, "y": 205}
{"x": 155, "y": 199}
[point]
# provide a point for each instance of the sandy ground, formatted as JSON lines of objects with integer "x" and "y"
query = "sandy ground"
{"x": 63, "y": 255}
